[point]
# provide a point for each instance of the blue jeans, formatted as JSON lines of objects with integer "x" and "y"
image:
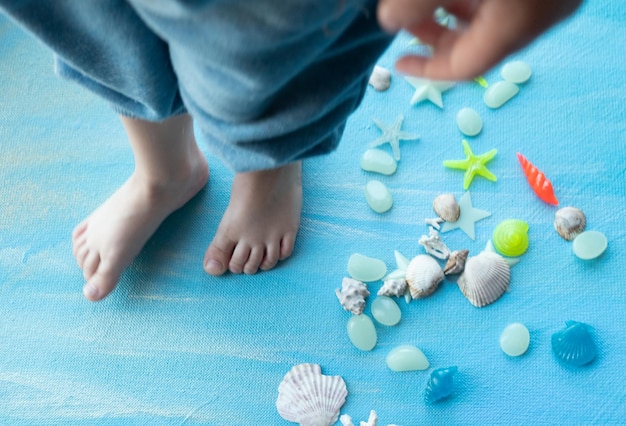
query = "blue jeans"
{"x": 267, "y": 82}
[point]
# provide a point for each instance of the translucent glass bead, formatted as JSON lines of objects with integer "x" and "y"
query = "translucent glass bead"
{"x": 366, "y": 269}
{"x": 386, "y": 311}
{"x": 378, "y": 161}
{"x": 589, "y": 244}
{"x": 407, "y": 358}
{"x": 500, "y": 93}
{"x": 515, "y": 339}
{"x": 362, "y": 332}
{"x": 469, "y": 121}
{"x": 378, "y": 196}
{"x": 516, "y": 72}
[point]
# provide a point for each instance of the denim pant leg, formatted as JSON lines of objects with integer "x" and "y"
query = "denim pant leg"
{"x": 105, "y": 46}
{"x": 269, "y": 82}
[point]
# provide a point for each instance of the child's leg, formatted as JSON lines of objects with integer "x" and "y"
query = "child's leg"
{"x": 260, "y": 224}
{"x": 169, "y": 171}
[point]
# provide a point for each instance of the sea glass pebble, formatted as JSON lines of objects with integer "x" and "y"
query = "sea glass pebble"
{"x": 366, "y": 269}
{"x": 362, "y": 332}
{"x": 378, "y": 196}
{"x": 499, "y": 93}
{"x": 407, "y": 358}
{"x": 589, "y": 244}
{"x": 516, "y": 72}
{"x": 469, "y": 122}
{"x": 378, "y": 161}
{"x": 386, "y": 311}
{"x": 515, "y": 339}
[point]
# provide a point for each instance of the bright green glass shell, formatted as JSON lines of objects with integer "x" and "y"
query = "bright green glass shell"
{"x": 510, "y": 238}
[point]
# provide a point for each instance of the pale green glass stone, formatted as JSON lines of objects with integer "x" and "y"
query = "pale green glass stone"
{"x": 500, "y": 93}
{"x": 378, "y": 161}
{"x": 366, "y": 269}
{"x": 361, "y": 332}
{"x": 469, "y": 122}
{"x": 386, "y": 311}
{"x": 516, "y": 72}
{"x": 407, "y": 358}
{"x": 515, "y": 339}
{"x": 589, "y": 244}
{"x": 378, "y": 196}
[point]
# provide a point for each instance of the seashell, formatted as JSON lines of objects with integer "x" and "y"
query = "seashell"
{"x": 510, "y": 237}
{"x": 423, "y": 275}
{"x": 308, "y": 397}
{"x": 569, "y": 222}
{"x": 447, "y": 208}
{"x": 456, "y": 262}
{"x": 440, "y": 385}
{"x": 574, "y": 345}
{"x": 380, "y": 79}
{"x": 352, "y": 295}
{"x": 486, "y": 277}
{"x": 393, "y": 287}
{"x": 538, "y": 181}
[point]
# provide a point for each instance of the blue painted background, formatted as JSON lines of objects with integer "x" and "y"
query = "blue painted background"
{"x": 172, "y": 345}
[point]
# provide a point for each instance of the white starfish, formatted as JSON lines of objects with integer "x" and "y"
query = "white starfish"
{"x": 392, "y": 135}
{"x": 428, "y": 89}
{"x": 469, "y": 216}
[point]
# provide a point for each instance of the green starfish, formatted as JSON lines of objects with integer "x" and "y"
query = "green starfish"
{"x": 473, "y": 165}
{"x": 392, "y": 135}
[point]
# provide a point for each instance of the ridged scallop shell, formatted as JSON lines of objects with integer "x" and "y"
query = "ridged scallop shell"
{"x": 569, "y": 222}
{"x": 456, "y": 262}
{"x": 510, "y": 237}
{"x": 486, "y": 277}
{"x": 308, "y": 397}
{"x": 446, "y": 207}
{"x": 574, "y": 345}
{"x": 423, "y": 275}
{"x": 440, "y": 385}
{"x": 393, "y": 287}
{"x": 352, "y": 295}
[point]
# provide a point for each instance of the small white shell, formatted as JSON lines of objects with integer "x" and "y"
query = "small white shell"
{"x": 446, "y": 207}
{"x": 393, "y": 287}
{"x": 352, "y": 295}
{"x": 569, "y": 222}
{"x": 308, "y": 397}
{"x": 423, "y": 275}
{"x": 456, "y": 262}
{"x": 380, "y": 79}
{"x": 486, "y": 277}
{"x": 433, "y": 245}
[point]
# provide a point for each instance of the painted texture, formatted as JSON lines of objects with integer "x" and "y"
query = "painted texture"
{"x": 172, "y": 344}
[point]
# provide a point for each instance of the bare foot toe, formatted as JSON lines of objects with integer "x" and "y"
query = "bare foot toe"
{"x": 260, "y": 224}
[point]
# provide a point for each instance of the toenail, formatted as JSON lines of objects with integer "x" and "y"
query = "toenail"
{"x": 213, "y": 267}
{"x": 91, "y": 292}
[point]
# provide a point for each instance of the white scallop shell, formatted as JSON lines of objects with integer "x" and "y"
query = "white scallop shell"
{"x": 308, "y": 397}
{"x": 393, "y": 287}
{"x": 352, "y": 295}
{"x": 569, "y": 222}
{"x": 446, "y": 207}
{"x": 423, "y": 275}
{"x": 486, "y": 277}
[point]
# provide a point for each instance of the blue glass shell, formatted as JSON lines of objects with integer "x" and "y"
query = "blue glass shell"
{"x": 574, "y": 345}
{"x": 440, "y": 385}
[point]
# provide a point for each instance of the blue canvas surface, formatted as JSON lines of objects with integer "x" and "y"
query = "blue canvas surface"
{"x": 174, "y": 346}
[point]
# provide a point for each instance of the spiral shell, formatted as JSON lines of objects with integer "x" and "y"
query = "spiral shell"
{"x": 486, "y": 277}
{"x": 510, "y": 237}
{"x": 440, "y": 385}
{"x": 423, "y": 275}
{"x": 308, "y": 397}
{"x": 456, "y": 262}
{"x": 574, "y": 345}
{"x": 446, "y": 207}
{"x": 352, "y": 295}
{"x": 393, "y": 287}
{"x": 569, "y": 222}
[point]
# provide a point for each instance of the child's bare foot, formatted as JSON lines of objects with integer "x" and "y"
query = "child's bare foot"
{"x": 113, "y": 235}
{"x": 260, "y": 224}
